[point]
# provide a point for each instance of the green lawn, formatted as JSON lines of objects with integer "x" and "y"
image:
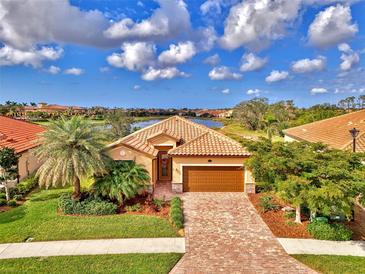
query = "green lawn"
{"x": 126, "y": 263}
{"x": 38, "y": 218}
{"x": 333, "y": 264}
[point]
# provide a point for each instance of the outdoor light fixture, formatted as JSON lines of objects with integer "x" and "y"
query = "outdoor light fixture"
{"x": 354, "y": 133}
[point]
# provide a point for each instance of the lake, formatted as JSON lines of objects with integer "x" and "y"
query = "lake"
{"x": 205, "y": 122}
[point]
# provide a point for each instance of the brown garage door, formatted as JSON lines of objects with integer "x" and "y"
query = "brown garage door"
{"x": 213, "y": 179}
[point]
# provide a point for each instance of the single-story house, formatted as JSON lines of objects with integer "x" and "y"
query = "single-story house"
{"x": 191, "y": 156}
{"x": 333, "y": 132}
{"x": 20, "y": 136}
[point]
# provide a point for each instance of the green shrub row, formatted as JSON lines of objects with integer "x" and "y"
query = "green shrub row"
{"x": 87, "y": 206}
{"x": 133, "y": 208}
{"x": 176, "y": 213}
{"x": 25, "y": 186}
{"x": 329, "y": 231}
{"x": 9, "y": 203}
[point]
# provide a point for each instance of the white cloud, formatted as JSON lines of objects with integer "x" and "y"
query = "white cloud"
{"x": 204, "y": 38}
{"x": 344, "y": 47}
{"x": 74, "y": 71}
{"x": 223, "y": 73}
{"x": 10, "y": 56}
{"x": 177, "y": 54}
{"x": 212, "y": 60}
{"x": 254, "y": 23}
{"x": 163, "y": 73}
{"x": 226, "y": 91}
{"x": 136, "y": 87}
{"x": 53, "y": 70}
{"x": 255, "y": 92}
{"x": 276, "y": 75}
{"x": 349, "y": 57}
{"x": 251, "y": 62}
{"x": 332, "y": 26}
{"x": 315, "y": 91}
{"x": 211, "y": 5}
{"x": 104, "y": 69}
{"x": 309, "y": 65}
{"x": 168, "y": 21}
{"x": 135, "y": 56}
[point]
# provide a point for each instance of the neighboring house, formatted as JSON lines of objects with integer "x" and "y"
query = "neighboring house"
{"x": 20, "y": 136}
{"x": 333, "y": 132}
{"x": 189, "y": 155}
{"x": 51, "y": 108}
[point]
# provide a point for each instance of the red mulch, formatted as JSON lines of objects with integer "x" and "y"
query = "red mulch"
{"x": 280, "y": 225}
{"x": 147, "y": 207}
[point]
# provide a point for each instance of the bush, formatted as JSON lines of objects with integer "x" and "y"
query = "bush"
{"x": 133, "y": 208}
{"x": 3, "y": 202}
{"x": 18, "y": 197}
{"x": 25, "y": 186}
{"x": 88, "y": 205}
{"x": 289, "y": 215}
{"x": 2, "y": 196}
{"x": 158, "y": 203}
{"x": 12, "y": 203}
{"x": 176, "y": 213}
{"x": 326, "y": 231}
{"x": 266, "y": 204}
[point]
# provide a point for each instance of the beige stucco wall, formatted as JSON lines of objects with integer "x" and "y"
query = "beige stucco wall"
{"x": 27, "y": 164}
{"x": 124, "y": 153}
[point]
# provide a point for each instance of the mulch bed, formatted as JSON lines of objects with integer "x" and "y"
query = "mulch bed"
{"x": 280, "y": 225}
{"x": 5, "y": 208}
{"x": 147, "y": 207}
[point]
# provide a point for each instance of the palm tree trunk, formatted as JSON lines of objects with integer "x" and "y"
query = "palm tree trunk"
{"x": 297, "y": 215}
{"x": 77, "y": 189}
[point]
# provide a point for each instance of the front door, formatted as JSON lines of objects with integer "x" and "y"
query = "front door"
{"x": 164, "y": 166}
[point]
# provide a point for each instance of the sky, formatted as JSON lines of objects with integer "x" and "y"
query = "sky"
{"x": 181, "y": 53}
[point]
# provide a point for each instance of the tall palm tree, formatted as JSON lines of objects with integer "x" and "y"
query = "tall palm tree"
{"x": 70, "y": 150}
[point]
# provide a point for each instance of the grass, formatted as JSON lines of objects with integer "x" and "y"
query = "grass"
{"x": 126, "y": 263}
{"x": 333, "y": 264}
{"x": 38, "y": 218}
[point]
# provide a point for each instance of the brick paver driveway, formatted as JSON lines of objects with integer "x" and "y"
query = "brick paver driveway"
{"x": 224, "y": 233}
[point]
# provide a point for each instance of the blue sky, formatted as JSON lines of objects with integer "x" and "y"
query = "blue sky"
{"x": 156, "y": 53}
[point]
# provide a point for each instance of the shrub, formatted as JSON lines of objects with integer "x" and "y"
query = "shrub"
{"x": 25, "y": 186}
{"x": 12, "y": 203}
{"x": 176, "y": 213}
{"x": 2, "y": 196}
{"x": 133, "y": 208}
{"x": 266, "y": 204}
{"x": 3, "y": 202}
{"x": 88, "y": 205}
{"x": 158, "y": 203}
{"x": 18, "y": 197}
{"x": 326, "y": 231}
{"x": 289, "y": 215}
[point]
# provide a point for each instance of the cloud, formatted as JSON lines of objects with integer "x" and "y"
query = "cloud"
{"x": 136, "y": 87}
{"x": 223, "y": 73}
{"x": 135, "y": 56}
{"x": 344, "y": 47}
{"x": 254, "y": 23}
{"x": 177, "y": 54}
{"x": 163, "y": 73}
{"x": 53, "y": 70}
{"x": 168, "y": 21}
{"x": 309, "y": 65}
{"x": 33, "y": 57}
{"x": 255, "y": 92}
{"x": 211, "y": 5}
{"x": 225, "y": 91}
{"x": 74, "y": 71}
{"x": 315, "y": 91}
{"x": 349, "y": 57}
{"x": 212, "y": 60}
{"x": 276, "y": 76}
{"x": 27, "y": 23}
{"x": 331, "y": 27}
{"x": 251, "y": 62}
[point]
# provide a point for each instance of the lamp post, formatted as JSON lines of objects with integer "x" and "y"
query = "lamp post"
{"x": 354, "y": 133}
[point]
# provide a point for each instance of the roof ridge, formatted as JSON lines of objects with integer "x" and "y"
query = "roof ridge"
{"x": 188, "y": 143}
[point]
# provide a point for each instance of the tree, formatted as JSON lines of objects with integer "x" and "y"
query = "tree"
{"x": 70, "y": 150}
{"x": 251, "y": 113}
{"x": 8, "y": 168}
{"x": 123, "y": 181}
{"x": 119, "y": 122}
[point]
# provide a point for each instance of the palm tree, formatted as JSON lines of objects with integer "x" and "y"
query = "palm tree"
{"x": 124, "y": 181}
{"x": 70, "y": 150}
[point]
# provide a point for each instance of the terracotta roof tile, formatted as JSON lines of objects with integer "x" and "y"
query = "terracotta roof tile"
{"x": 333, "y": 131}
{"x": 19, "y": 135}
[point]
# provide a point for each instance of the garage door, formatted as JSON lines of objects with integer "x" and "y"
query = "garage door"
{"x": 213, "y": 179}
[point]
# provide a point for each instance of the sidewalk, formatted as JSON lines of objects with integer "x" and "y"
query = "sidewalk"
{"x": 318, "y": 247}
{"x": 91, "y": 247}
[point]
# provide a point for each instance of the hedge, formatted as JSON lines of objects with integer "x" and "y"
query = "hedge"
{"x": 329, "y": 231}
{"x": 176, "y": 213}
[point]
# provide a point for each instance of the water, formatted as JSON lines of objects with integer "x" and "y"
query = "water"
{"x": 205, "y": 122}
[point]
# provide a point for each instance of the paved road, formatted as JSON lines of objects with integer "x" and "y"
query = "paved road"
{"x": 224, "y": 233}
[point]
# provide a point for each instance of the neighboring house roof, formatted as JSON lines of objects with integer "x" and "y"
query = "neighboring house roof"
{"x": 333, "y": 131}
{"x": 196, "y": 139}
{"x": 17, "y": 134}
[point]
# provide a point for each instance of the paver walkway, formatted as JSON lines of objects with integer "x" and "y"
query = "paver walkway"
{"x": 224, "y": 233}
{"x": 318, "y": 247}
{"x": 91, "y": 247}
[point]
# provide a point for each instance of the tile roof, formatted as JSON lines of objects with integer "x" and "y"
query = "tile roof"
{"x": 333, "y": 131}
{"x": 17, "y": 134}
{"x": 197, "y": 139}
